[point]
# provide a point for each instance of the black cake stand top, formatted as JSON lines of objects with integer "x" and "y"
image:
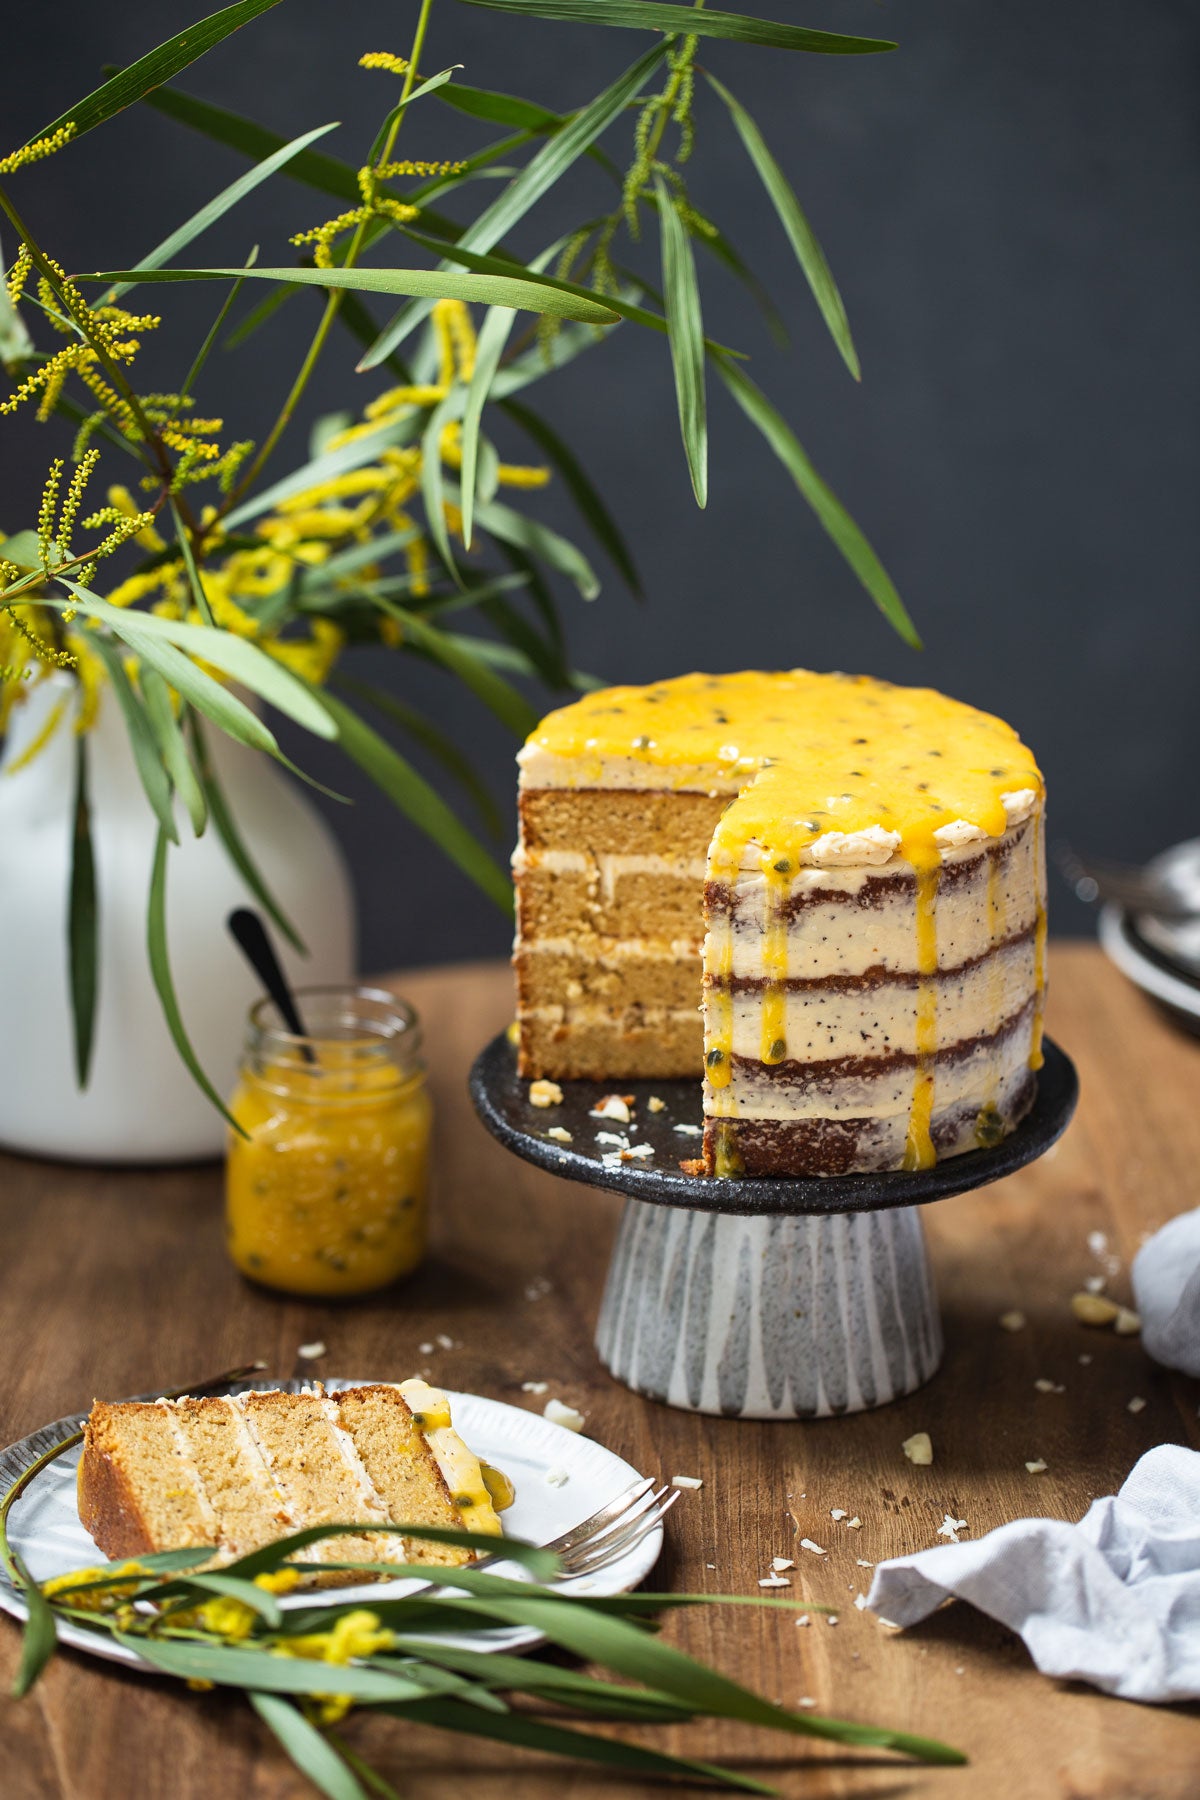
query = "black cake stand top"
{"x": 593, "y": 1154}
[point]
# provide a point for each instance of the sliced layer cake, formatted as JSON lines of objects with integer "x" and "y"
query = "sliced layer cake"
{"x": 239, "y": 1472}
{"x": 826, "y": 891}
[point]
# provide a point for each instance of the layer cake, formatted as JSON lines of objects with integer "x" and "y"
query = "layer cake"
{"x": 823, "y": 891}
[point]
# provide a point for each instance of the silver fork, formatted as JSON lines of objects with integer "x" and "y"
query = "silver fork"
{"x": 609, "y": 1534}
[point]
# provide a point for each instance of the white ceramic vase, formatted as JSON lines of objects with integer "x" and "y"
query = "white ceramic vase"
{"x": 141, "y": 1104}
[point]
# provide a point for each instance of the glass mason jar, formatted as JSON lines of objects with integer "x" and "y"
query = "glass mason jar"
{"x": 326, "y": 1192}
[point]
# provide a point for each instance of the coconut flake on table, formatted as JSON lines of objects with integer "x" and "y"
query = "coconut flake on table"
{"x": 807, "y": 1544}
{"x": 310, "y": 1352}
{"x": 687, "y": 1481}
{"x": 557, "y": 1477}
{"x": 918, "y": 1448}
{"x": 559, "y": 1413}
{"x": 1012, "y": 1321}
{"x": 950, "y": 1528}
{"x": 688, "y": 1130}
{"x": 774, "y": 1581}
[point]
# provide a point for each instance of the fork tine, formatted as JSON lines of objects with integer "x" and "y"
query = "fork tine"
{"x": 616, "y": 1509}
{"x": 616, "y": 1544}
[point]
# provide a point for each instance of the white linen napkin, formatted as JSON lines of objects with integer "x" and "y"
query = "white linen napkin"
{"x": 1166, "y": 1292}
{"x": 1113, "y": 1600}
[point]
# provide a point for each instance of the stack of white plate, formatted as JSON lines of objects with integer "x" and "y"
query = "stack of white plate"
{"x": 1162, "y": 955}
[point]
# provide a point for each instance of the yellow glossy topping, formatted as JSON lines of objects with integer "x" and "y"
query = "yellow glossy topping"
{"x": 327, "y": 1193}
{"x": 818, "y": 753}
{"x": 461, "y": 1468}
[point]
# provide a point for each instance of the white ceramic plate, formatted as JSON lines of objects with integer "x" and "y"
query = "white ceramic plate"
{"x": 1175, "y": 991}
{"x": 45, "y": 1531}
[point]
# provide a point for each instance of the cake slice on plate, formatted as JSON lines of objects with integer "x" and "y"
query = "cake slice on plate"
{"x": 240, "y": 1471}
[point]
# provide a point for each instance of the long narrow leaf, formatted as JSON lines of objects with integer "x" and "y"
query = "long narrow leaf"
{"x": 82, "y": 922}
{"x": 432, "y": 738}
{"x": 419, "y": 802}
{"x": 231, "y": 1666}
{"x": 563, "y": 1740}
{"x": 160, "y": 971}
{"x": 540, "y": 541}
{"x": 219, "y": 205}
{"x": 235, "y": 846}
{"x": 259, "y": 316}
{"x": 157, "y": 66}
{"x": 235, "y": 656}
{"x": 656, "y": 15}
{"x": 227, "y": 305}
{"x": 499, "y": 109}
{"x": 146, "y": 757}
{"x": 39, "y": 1637}
{"x": 311, "y": 1752}
{"x": 433, "y": 481}
{"x": 359, "y": 450}
{"x": 824, "y": 502}
{"x": 464, "y": 658}
{"x": 172, "y": 748}
{"x": 195, "y": 580}
{"x": 801, "y": 235}
{"x": 328, "y": 174}
{"x": 551, "y": 162}
{"x": 685, "y": 330}
{"x": 527, "y": 294}
{"x": 580, "y": 487}
{"x": 488, "y": 350}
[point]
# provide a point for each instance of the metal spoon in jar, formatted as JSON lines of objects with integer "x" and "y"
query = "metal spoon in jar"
{"x": 250, "y": 935}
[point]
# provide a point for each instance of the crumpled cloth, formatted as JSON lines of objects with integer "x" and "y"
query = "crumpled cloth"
{"x": 1114, "y": 1600}
{"x": 1166, "y": 1292}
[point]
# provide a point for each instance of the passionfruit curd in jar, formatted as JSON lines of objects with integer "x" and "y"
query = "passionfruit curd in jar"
{"x": 326, "y": 1191}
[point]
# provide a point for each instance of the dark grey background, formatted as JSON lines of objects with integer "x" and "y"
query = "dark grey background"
{"x": 1009, "y": 203}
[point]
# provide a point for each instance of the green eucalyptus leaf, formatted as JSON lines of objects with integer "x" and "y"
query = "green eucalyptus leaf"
{"x": 312, "y": 1753}
{"x": 328, "y": 174}
{"x": 235, "y": 845}
{"x": 82, "y": 922}
{"x": 656, "y": 15}
{"x": 172, "y": 749}
{"x": 40, "y": 1636}
{"x": 151, "y": 70}
{"x": 540, "y": 541}
{"x": 529, "y": 1733}
{"x": 527, "y": 293}
{"x": 160, "y": 972}
{"x": 801, "y": 235}
{"x": 824, "y": 502}
{"x": 540, "y": 174}
{"x": 142, "y": 741}
{"x": 219, "y": 205}
{"x": 432, "y": 738}
{"x": 419, "y": 802}
{"x": 580, "y": 487}
{"x": 488, "y": 350}
{"x": 433, "y": 479}
{"x": 685, "y": 330}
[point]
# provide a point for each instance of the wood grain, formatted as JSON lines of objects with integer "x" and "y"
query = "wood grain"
{"x": 116, "y": 1282}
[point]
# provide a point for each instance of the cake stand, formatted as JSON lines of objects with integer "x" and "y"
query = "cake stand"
{"x": 756, "y": 1298}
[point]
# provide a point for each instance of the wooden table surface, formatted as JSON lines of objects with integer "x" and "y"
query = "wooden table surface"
{"x": 115, "y": 1282}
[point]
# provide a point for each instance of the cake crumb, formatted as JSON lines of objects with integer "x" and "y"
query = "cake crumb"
{"x": 637, "y": 1153}
{"x": 425, "y": 1349}
{"x": 535, "y": 1387}
{"x": 655, "y": 1105}
{"x": 545, "y": 1093}
{"x": 1096, "y": 1284}
{"x": 617, "y": 1139}
{"x": 1097, "y": 1242}
{"x": 310, "y": 1352}
{"x": 807, "y": 1544}
{"x": 692, "y": 1165}
{"x": 1136, "y": 1405}
{"x": 687, "y": 1481}
{"x": 1127, "y": 1323}
{"x": 1094, "y": 1309}
{"x": 918, "y": 1448}
{"x": 444, "y": 1342}
{"x": 950, "y": 1528}
{"x": 1085, "y": 1359}
{"x": 560, "y": 1134}
{"x": 613, "y": 1106}
{"x": 559, "y": 1413}
{"x": 1044, "y": 1386}
{"x": 557, "y": 1477}
{"x": 539, "y": 1288}
{"x": 780, "y": 1563}
{"x": 1037, "y": 1467}
{"x": 1012, "y": 1321}
{"x": 774, "y": 1581}
{"x": 854, "y": 1524}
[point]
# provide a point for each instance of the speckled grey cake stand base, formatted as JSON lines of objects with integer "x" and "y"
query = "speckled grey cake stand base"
{"x": 757, "y": 1298}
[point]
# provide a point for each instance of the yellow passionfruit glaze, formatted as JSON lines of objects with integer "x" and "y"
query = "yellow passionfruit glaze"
{"x": 461, "y": 1469}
